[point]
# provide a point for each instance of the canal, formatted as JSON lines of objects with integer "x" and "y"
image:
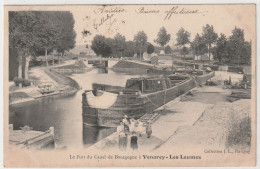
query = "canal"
{"x": 64, "y": 113}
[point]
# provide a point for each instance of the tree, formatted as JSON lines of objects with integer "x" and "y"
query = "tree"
{"x": 21, "y": 28}
{"x": 100, "y": 45}
{"x": 131, "y": 49}
{"x": 220, "y": 52}
{"x": 246, "y": 52}
{"x": 162, "y": 37}
{"x": 198, "y": 47}
{"x": 209, "y": 36}
{"x": 140, "y": 39}
{"x": 238, "y": 47}
{"x": 24, "y": 31}
{"x": 66, "y": 36}
{"x": 47, "y": 34}
{"x": 33, "y": 33}
{"x": 184, "y": 51}
{"x": 119, "y": 45}
{"x": 167, "y": 50}
{"x": 183, "y": 38}
{"x": 150, "y": 49}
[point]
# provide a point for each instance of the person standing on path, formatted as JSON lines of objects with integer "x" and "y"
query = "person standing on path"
{"x": 125, "y": 121}
{"x": 132, "y": 125}
{"x": 148, "y": 129}
{"x": 140, "y": 127}
{"x": 120, "y": 131}
{"x": 122, "y": 141}
{"x": 134, "y": 139}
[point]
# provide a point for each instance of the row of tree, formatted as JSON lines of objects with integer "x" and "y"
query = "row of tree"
{"x": 223, "y": 49}
{"x": 36, "y": 33}
{"x": 234, "y": 48}
{"x": 119, "y": 47}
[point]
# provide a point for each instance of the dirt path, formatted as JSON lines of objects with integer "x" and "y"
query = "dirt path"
{"x": 39, "y": 74}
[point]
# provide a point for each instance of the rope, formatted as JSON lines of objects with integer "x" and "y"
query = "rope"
{"x": 152, "y": 102}
{"x": 164, "y": 106}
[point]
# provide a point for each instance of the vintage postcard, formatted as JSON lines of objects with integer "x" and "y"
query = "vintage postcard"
{"x": 130, "y": 85}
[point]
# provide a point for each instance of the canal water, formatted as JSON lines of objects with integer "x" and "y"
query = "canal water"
{"x": 64, "y": 113}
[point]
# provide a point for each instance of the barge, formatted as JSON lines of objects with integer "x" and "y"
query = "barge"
{"x": 106, "y": 106}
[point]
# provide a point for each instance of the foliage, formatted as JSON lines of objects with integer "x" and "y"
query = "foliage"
{"x": 101, "y": 46}
{"x": 167, "y": 50}
{"x": 131, "y": 49}
{"x": 119, "y": 45}
{"x": 22, "y": 29}
{"x": 162, "y": 37}
{"x": 198, "y": 47}
{"x": 238, "y": 47}
{"x": 150, "y": 48}
{"x": 220, "y": 52}
{"x": 35, "y": 31}
{"x": 209, "y": 37}
{"x": 140, "y": 38}
{"x": 183, "y": 37}
{"x": 66, "y": 35}
{"x": 184, "y": 51}
{"x": 24, "y": 82}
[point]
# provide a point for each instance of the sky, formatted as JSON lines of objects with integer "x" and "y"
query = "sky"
{"x": 128, "y": 20}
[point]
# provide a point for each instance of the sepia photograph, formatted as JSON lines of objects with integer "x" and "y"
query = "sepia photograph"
{"x": 130, "y": 85}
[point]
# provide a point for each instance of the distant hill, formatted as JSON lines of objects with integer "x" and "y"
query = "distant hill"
{"x": 82, "y": 48}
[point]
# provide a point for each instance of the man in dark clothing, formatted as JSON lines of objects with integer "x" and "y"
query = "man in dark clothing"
{"x": 134, "y": 140}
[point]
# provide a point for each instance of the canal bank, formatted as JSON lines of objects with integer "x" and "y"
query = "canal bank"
{"x": 61, "y": 84}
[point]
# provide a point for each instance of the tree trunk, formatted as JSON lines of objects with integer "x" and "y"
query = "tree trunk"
{"x": 53, "y": 58}
{"x": 62, "y": 54}
{"x": 238, "y": 55}
{"x": 140, "y": 52}
{"x": 46, "y": 57}
{"x": 172, "y": 63}
{"x": 20, "y": 65}
{"x": 58, "y": 58}
{"x": 209, "y": 53}
{"x": 26, "y": 67}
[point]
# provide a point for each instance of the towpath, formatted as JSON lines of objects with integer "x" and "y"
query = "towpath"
{"x": 38, "y": 76}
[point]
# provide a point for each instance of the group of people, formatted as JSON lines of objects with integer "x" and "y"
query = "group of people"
{"x": 132, "y": 129}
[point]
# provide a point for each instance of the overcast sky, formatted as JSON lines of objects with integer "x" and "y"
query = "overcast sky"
{"x": 128, "y": 20}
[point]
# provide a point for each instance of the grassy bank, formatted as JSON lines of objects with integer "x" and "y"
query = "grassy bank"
{"x": 18, "y": 96}
{"x": 61, "y": 79}
{"x": 132, "y": 65}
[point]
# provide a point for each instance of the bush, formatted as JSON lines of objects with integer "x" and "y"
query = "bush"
{"x": 24, "y": 82}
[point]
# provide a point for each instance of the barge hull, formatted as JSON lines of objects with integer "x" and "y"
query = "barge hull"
{"x": 135, "y": 106}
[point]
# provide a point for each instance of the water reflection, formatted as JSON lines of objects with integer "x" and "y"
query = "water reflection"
{"x": 102, "y": 70}
{"x": 94, "y": 134}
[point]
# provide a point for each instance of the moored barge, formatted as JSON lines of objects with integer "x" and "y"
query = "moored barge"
{"x": 107, "y": 107}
